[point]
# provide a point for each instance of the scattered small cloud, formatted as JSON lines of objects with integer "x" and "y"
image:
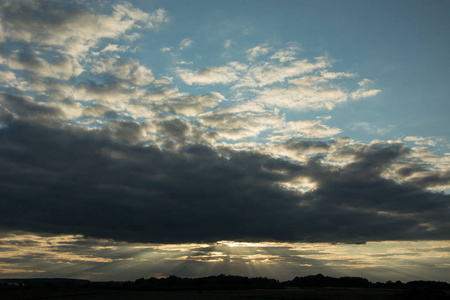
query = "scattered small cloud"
{"x": 371, "y": 128}
{"x": 421, "y": 141}
{"x": 227, "y": 44}
{"x": 184, "y": 62}
{"x": 363, "y": 91}
{"x": 186, "y": 43}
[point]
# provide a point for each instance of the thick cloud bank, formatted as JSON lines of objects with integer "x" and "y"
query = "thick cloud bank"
{"x": 62, "y": 180}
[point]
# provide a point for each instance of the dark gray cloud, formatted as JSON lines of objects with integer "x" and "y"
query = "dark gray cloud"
{"x": 432, "y": 179}
{"x": 124, "y": 132}
{"x": 306, "y": 146}
{"x": 27, "y": 108}
{"x": 67, "y": 180}
{"x": 33, "y": 16}
{"x": 175, "y": 128}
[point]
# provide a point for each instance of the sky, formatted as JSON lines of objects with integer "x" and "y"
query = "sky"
{"x": 196, "y": 138}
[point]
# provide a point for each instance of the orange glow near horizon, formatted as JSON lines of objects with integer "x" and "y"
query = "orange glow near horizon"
{"x": 95, "y": 259}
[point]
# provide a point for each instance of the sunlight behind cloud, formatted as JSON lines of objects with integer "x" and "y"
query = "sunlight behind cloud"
{"x": 272, "y": 259}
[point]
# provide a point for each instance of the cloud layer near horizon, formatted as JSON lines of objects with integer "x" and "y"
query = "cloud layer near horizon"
{"x": 94, "y": 143}
{"x": 25, "y": 254}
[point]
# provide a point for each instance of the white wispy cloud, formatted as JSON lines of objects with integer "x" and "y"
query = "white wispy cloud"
{"x": 257, "y": 51}
{"x": 298, "y": 97}
{"x": 364, "y": 91}
{"x": 266, "y": 73}
{"x": 186, "y": 43}
{"x": 115, "y": 48}
{"x": 212, "y": 75}
{"x": 287, "y": 54}
{"x": 283, "y": 80}
{"x": 183, "y": 62}
{"x": 227, "y": 44}
{"x": 304, "y": 129}
{"x": 372, "y": 128}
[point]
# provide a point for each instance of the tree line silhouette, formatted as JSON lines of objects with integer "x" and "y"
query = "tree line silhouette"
{"x": 223, "y": 282}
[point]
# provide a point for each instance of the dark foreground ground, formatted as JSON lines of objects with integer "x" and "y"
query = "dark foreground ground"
{"x": 288, "y": 293}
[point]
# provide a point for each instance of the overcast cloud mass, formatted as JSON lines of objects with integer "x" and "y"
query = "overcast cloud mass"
{"x": 96, "y": 144}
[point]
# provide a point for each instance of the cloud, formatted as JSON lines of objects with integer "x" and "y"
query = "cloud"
{"x": 59, "y": 67}
{"x": 25, "y": 108}
{"x": 99, "y": 259}
{"x": 287, "y": 54}
{"x": 186, "y": 43}
{"x": 239, "y": 122}
{"x": 184, "y": 62}
{"x": 301, "y": 151}
{"x": 320, "y": 78}
{"x": 166, "y": 49}
{"x": 211, "y": 75}
{"x": 115, "y": 48}
{"x": 227, "y": 43}
{"x": 297, "y": 97}
{"x": 124, "y": 192}
{"x": 96, "y": 259}
{"x": 282, "y": 81}
{"x": 363, "y": 91}
{"x": 421, "y": 141}
{"x": 114, "y": 92}
{"x": 74, "y": 27}
{"x": 304, "y": 129}
{"x": 53, "y": 58}
{"x": 307, "y": 147}
{"x": 9, "y": 79}
{"x": 192, "y": 105}
{"x": 371, "y": 128}
{"x": 130, "y": 71}
{"x": 124, "y": 132}
{"x": 425, "y": 169}
{"x": 254, "y": 52}
{"x": 262, "y": 74}
{"x": 314, "y": 91}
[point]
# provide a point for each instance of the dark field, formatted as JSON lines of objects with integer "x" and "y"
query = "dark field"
{"x": 288, "y": 293}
